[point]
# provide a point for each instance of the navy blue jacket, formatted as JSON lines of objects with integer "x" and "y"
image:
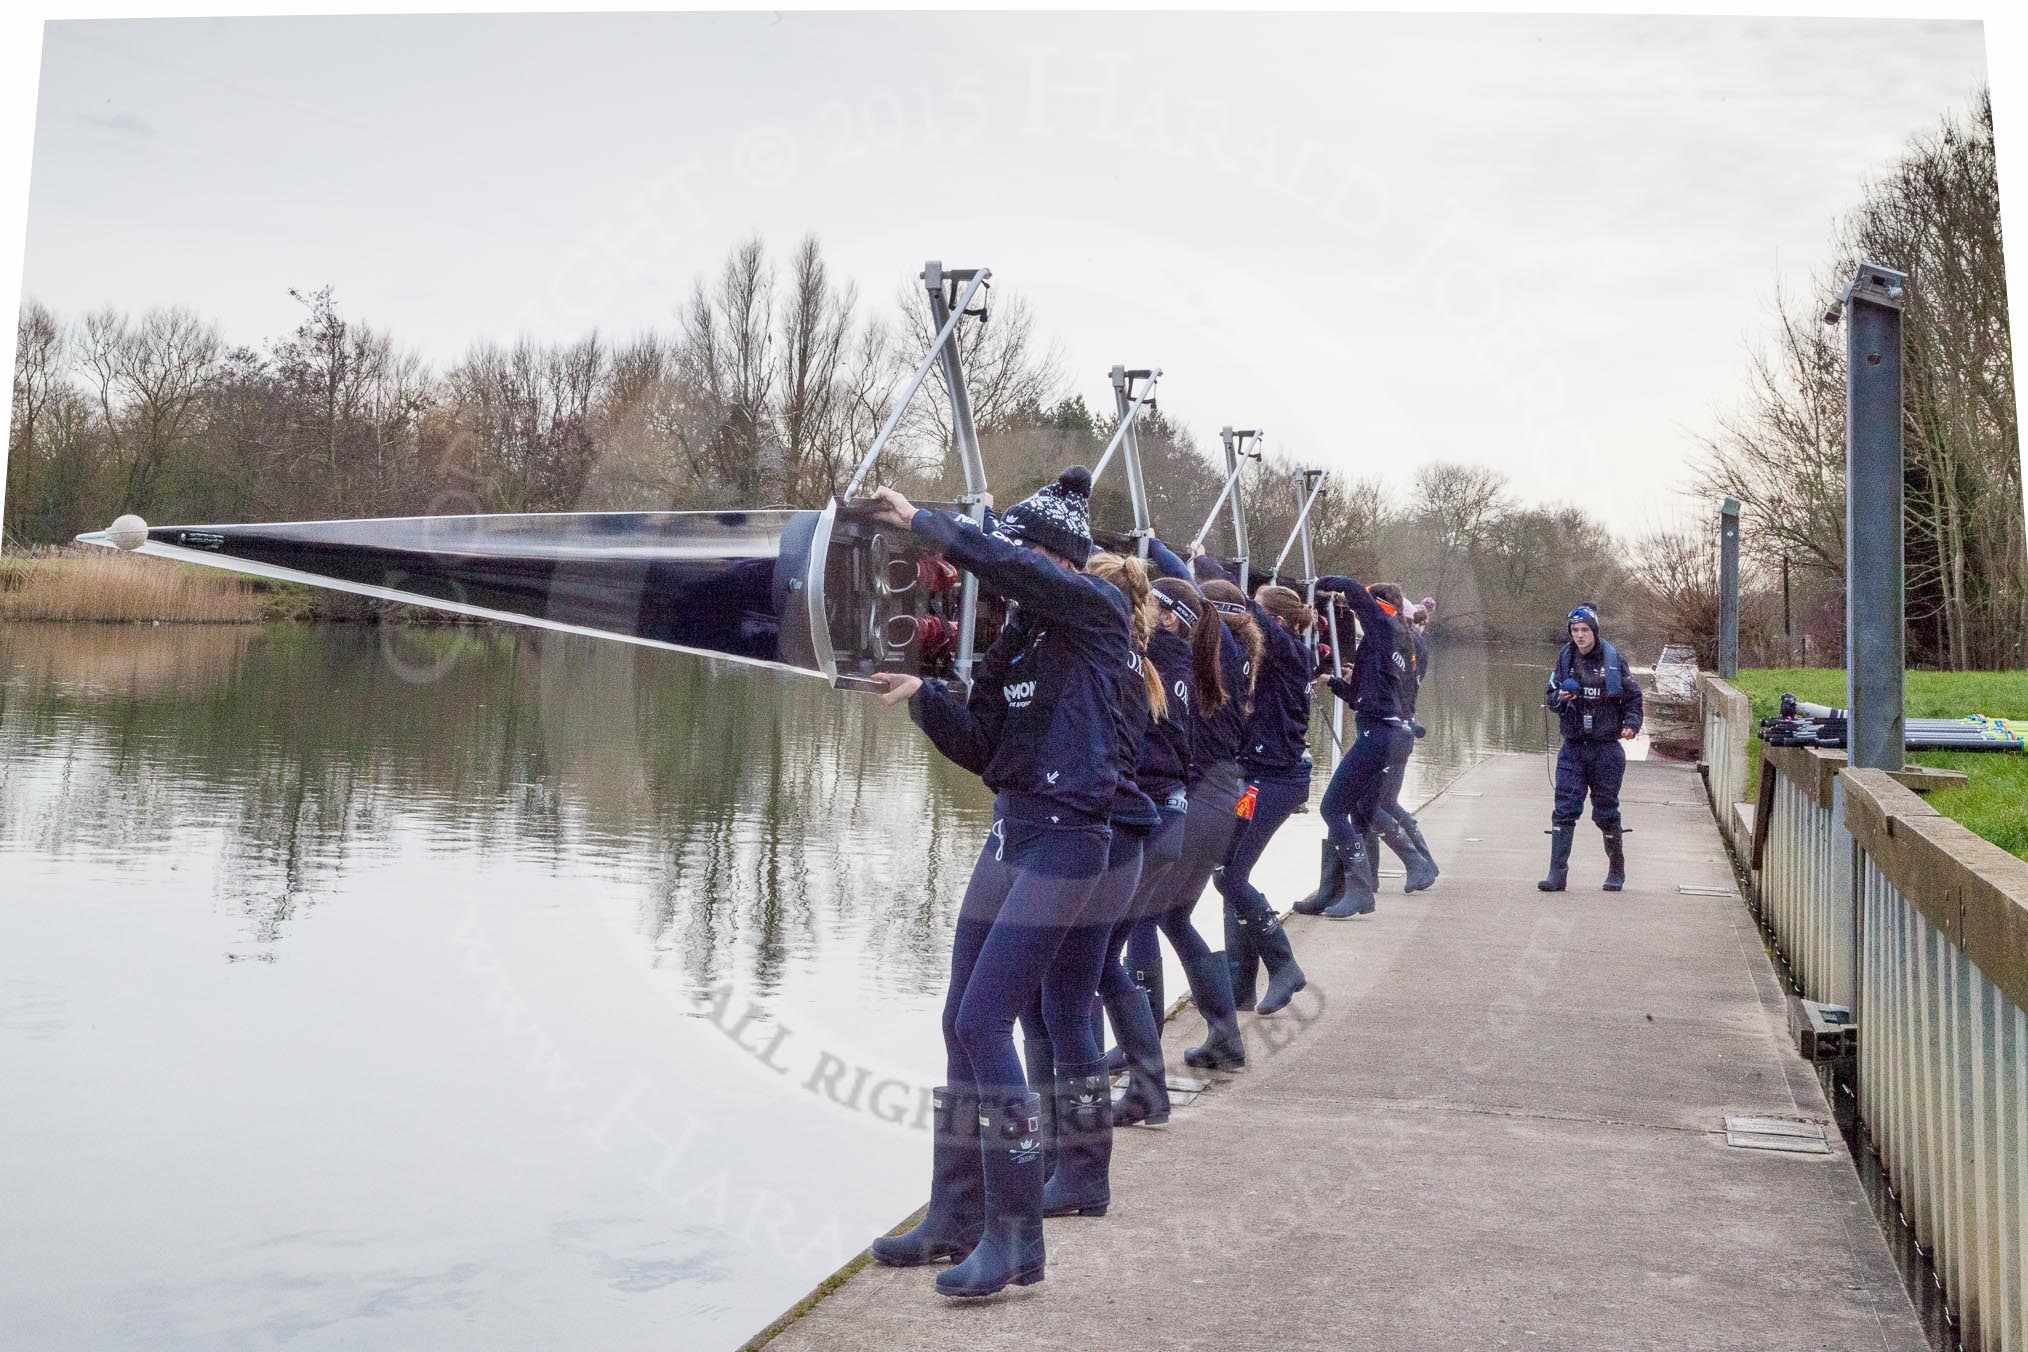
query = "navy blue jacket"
{"x": 1132, "y": 807}
{"x": 1278, "y": 728}
{"x": 1383, "y": 665}
{"x": 1049, "y": 718}
{"x": 1421, "y": 668}
{"x": 1218, "y": 735}
{"x": 1608, "y": 700}
{"x": 1165, "y": 764}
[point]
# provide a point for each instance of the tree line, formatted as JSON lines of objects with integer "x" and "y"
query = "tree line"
{"x": 772, "y": 384}
{"x": 1936, "y": 216}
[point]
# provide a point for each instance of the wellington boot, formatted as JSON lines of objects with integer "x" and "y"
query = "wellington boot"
{"x": 1329, "y": 876}
{"x": 1285, "y": 978}
{"x": 1211, "y": 988}
{"x": 1421, "y": 872}
{"x": 1010, "y": 1243}
{"x": 957, "y": 1208}
{"x": 1084, "y": 1143}
{"x": 1145, "y": 1103}
{"x": 1414, "y": 829}
{"x": 1616, "y": 858}
{"x": 1559, "y": 858}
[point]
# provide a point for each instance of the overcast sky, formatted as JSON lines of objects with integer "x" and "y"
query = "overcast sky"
{"x": 1542, "y": 244}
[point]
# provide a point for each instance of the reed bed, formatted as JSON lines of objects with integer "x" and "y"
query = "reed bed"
{"x": 88, "y": 584}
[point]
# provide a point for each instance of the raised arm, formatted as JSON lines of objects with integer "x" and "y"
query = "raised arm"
{"x": 1014, "y": 572}
{"x": 1208, "y": 568}
{"x": 1165, "y": 560}
{"x": 1372, "y": 618}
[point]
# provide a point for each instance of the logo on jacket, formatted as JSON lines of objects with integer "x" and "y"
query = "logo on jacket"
{"x": 1018, "y": 694}
{"x": 1400, "y": 662}
{"x": 1050, "y": 778}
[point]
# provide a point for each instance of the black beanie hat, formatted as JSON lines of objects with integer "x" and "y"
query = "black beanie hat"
{"x": 1056, "y": 517}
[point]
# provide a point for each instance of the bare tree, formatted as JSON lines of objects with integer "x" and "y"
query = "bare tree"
{"x": 39, "y": 362}
{"x": 815, "y": 410}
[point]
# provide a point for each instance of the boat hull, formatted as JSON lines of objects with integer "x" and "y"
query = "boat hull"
{"x": 823, "y": 593}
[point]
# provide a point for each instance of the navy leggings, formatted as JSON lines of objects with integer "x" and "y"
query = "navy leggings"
{"x": 1360, "y": 783}
{"x": 1277, "y": 796}
{"x": 1389, "y": 805}
{"x": 1208, "y": 829}
{"x": 1163, "y": 848}
{"x": 1061, "y": 1012}
{"x": 1030, "y": 889}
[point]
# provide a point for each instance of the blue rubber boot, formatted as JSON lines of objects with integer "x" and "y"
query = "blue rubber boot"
{"x": 1414, "y": 829}
{"x": 1039, "y": 1057}
{"x": 1010, "y": 1243}
{"x": 1144, "y": 964}
{"x": 1146, "y": 1100}
{"x": 1616, "y": 857}
{"x": 1211, "y": 988}
{"x": 1330, "y": 876}
{"x": 957, "y": 1207}
{"x": 1242, "y": 962}
{"x": 1081, "y": 1184}
{"x": 1356, "y": 896}
{"x": 1560, "y": 835}
{"x": 1285, "y": 978}
{"x": 1421, "y": 872}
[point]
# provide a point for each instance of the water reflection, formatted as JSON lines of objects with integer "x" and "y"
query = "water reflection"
{"x": 457, "y": 987}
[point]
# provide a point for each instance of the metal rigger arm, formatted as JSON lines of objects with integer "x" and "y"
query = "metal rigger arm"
{"x": 1240, "y": 447}
{"x": 1133, "y": 391}
{"x": 951, "y": 292}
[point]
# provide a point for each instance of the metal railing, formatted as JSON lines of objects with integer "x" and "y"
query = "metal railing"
{"x": 1728, "y": 731}
{"x": 1943, "y": 1047}
{"x": 1803, "y": 881}
{"x": 1920, "y": 928}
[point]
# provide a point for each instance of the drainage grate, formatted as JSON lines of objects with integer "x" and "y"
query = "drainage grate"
{"x": 1775, "y": 1133}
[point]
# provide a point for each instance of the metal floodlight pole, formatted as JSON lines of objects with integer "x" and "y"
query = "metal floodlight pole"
{"x": 1128, "y": 435}
{"x": 1728, "y": 589}
{"x": 1301, "y": 529}
{"x": 946, "y": 316}
{"x": 1875, "y": 602}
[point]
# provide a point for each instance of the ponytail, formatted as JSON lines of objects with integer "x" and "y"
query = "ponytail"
{"x": 1130, "y": 575}
{"x": 1176, "y": 595}
{"x": 1230, "y": 602}
{"x": 1286, "y": 606}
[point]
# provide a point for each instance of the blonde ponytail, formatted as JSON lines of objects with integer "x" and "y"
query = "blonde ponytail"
{"x": 1130, "y": 575}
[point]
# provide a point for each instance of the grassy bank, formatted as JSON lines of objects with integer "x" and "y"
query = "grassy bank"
{"x": 82, "y": 584}
{"x": 1995, "y": 801}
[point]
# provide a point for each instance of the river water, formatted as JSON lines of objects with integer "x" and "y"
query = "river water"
{"x": 408, "y": 988}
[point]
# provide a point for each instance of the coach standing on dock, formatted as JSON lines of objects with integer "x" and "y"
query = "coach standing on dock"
{"x": 1598, "y": 703}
